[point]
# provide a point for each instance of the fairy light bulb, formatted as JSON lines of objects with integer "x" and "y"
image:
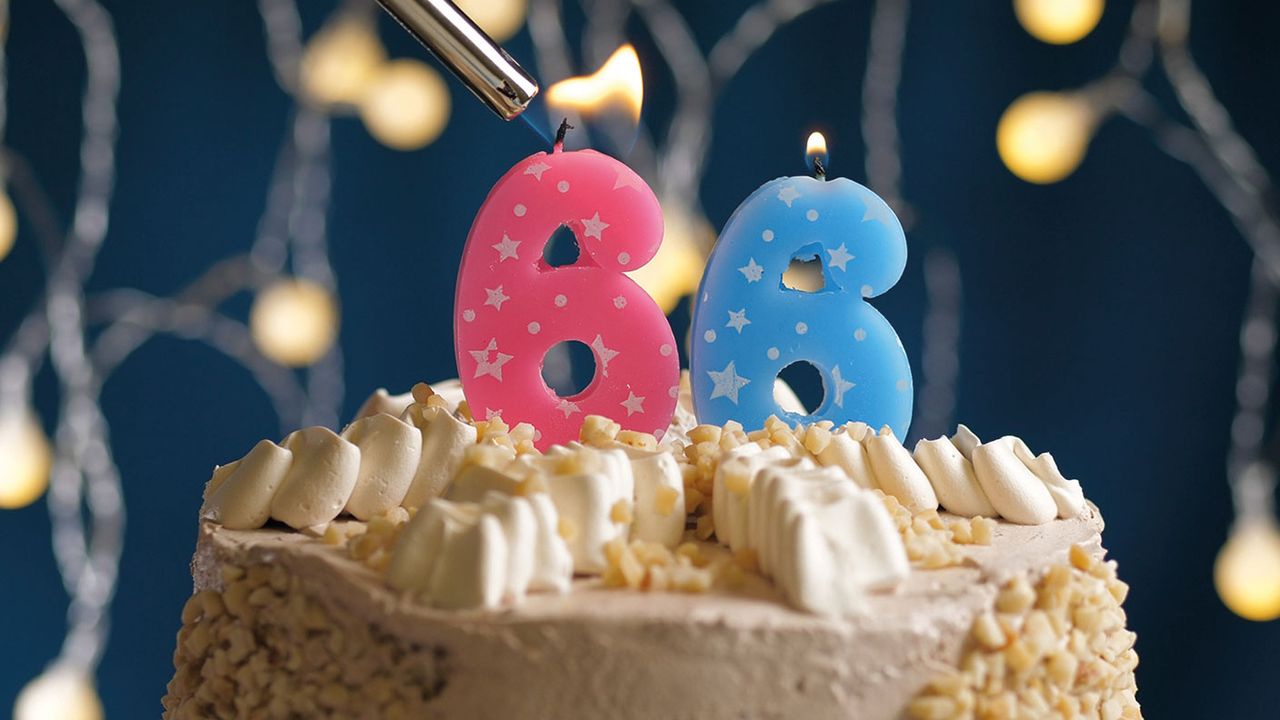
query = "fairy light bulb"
{"x": 677, "y": 268}
{"x": 406, "y": 105}
{"x": 1247, "y": 571}
{"x": 340, "y": 60}
{"x": 60, "y": 692}
{"x": 1043, "y": 136}
{"x": 25, "y": 459}
{"x": 1060, "y": 22}
{"x": 294, "y": 322}
{"x": 500, "y": 19}
{"x": 8, "y": 225}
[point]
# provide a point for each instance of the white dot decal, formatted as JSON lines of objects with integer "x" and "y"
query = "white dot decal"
{"x": 902, "y": 384}
{"x": 619, "y": 302}
{"x": 674, "y": 391}
{"x": 866, "y": 291}
{"x": 802, "y": 328}
{"x": 772, "y": 353}
{"x": 535, "y": 328}
{"x": 665, "y": 350}
{"x": 767, "y": 235}
{"x": 624, "y": 258}
{"x": 811, "y": 215}
{"x": 709, "y": 336}
{"x": 468, "y": 315}
{"x": 563, "y": 186}
{"x": 520, "y": 210}
{"x": 859, "y": 334}
{"x": 561, "y": 301}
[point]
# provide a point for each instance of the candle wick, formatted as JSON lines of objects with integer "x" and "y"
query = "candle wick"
{"x": 819, "y": 170}
{"x": 565, "y": 127}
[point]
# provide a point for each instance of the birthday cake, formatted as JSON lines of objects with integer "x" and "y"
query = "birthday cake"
{"x": 424, "y": 563}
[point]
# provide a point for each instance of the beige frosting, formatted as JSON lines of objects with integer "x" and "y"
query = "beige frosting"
{"x": 239, "y": 495}
{"x": 598, "y": 653}
{"x": 444, "y": 440}
{"x": 898, "y": 474}
{"x": 390, "y": 451}
{"x": 951, "y": 475}
{"x": 319, "y": 481}
{"x": 1015, "y": 492}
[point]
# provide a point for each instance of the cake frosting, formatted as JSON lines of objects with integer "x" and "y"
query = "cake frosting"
{"x": 812, "y": 570}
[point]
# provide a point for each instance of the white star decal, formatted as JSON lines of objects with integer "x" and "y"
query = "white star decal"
{"x": 788, "y": 194}
{"x": 496, "y": 297}
{"x": 751, "y": 271}
{"x": 483, "y": 366}
{"x": 490, "y": 414}
{"x": 738, "y": 320}
{"x": 878, "y": 210}
{"x": 537, "y": 169}
{"x": 627, "y": 178}
{"x": 728, "y": 382}
{"x": 604, "y": 353}
{"x": 839, "y": 257}
{"x": 592, "y": 227}
{"x": 568, "y": 408}
{"x": 633, "y": 403}
{"x": 507, "y": 248}
{"x": 842, "y": 385}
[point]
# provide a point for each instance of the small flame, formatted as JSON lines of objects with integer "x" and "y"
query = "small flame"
{"x": 618, "y": 84}
{"x": 815, "y": 153}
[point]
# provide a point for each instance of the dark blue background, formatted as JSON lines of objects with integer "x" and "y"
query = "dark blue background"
{"x": 1101, "y": 313}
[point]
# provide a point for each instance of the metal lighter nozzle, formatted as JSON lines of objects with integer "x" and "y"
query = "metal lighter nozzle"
{"x": 473, "y": 56}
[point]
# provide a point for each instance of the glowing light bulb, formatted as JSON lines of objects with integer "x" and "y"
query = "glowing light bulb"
{"x": 677, "y": 268}
{"x": 340, "y": 61}
{"x": 406, "y": 106}
{"x": 1042, "y": 137}
{"x": 499, "y": 18}
{"x": 1247, "y": 571}
{"x": 60, "y": 692}
{"x": 294, "y": 322}
{"x": 1060, "y": 22}
{"x": 25, "y": 459}
{"x": 8, "y": 225}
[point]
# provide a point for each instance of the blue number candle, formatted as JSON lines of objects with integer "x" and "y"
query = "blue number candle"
{"x": 748, "y": 325}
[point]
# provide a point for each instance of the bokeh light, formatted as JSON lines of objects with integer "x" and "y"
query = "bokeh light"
{"x": 1043, "y": 136}
{"x": 499, "y": 18}
{"x": 25, "y": 459}
{"x": 677, "y": 268}
{"x": 294, "y": 322}
{"x": 406, "y": 105}
{"x": 60, "y": 693}
{"x": 340, "y": 61}
{"x": 8, "y": 225}
{"x": 1247, "y": 572}
{"x": 1060, "y": 22}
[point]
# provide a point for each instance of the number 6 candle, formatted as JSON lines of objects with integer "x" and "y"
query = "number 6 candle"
{"x": 512, "y": 306}
{"x": 748, "y": 325}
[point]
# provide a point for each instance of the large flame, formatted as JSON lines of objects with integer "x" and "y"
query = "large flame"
{"x": 617, "y": 85}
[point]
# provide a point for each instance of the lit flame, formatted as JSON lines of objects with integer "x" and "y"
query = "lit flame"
{"x": 617, "y": 84}
{"x": 815, "y": 151}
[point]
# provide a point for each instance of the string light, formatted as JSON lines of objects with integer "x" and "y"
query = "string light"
{"x": 1247, "y": 571}
{"x": 406, "y": 105}
{"x": 1060, "y": 22}
{"x": 25, "y": 460}
{"x": 8, "y": 225}
{"x": 499, "y": 18}
{"x": 61, "y": 692}
{"x": 1042, "y": 137}
{"x": 677, "y": 268}
{"x": 294, "y": 322}
{"x": 340, "y": 61}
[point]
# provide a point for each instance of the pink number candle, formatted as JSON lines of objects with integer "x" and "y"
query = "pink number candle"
{"x": 512, "y": 306}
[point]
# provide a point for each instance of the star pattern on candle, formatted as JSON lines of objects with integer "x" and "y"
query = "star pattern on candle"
{"x": 568, "y": 408}
{"x": 537, "y": 169}
{"x": 880, "y": 212}
{"x": 496, "y": 297}
{"x": 628, "y": 179}
{"x": 593, "y": 226}
{"x": 751, "y": 271}
{"x": 727, "y": 383}
{"x": 738, "y": 320}
{"x": 483, "y": 364}
{"x": 788, "y": 194}
{"x": 604, "y": 354}
{"x": 842, "y": 386}
{"x": 839, "y": 257}
{"x": 633, "y": 403}
{"x": 491, "y": 414}
{"x": 507, "y": 248}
